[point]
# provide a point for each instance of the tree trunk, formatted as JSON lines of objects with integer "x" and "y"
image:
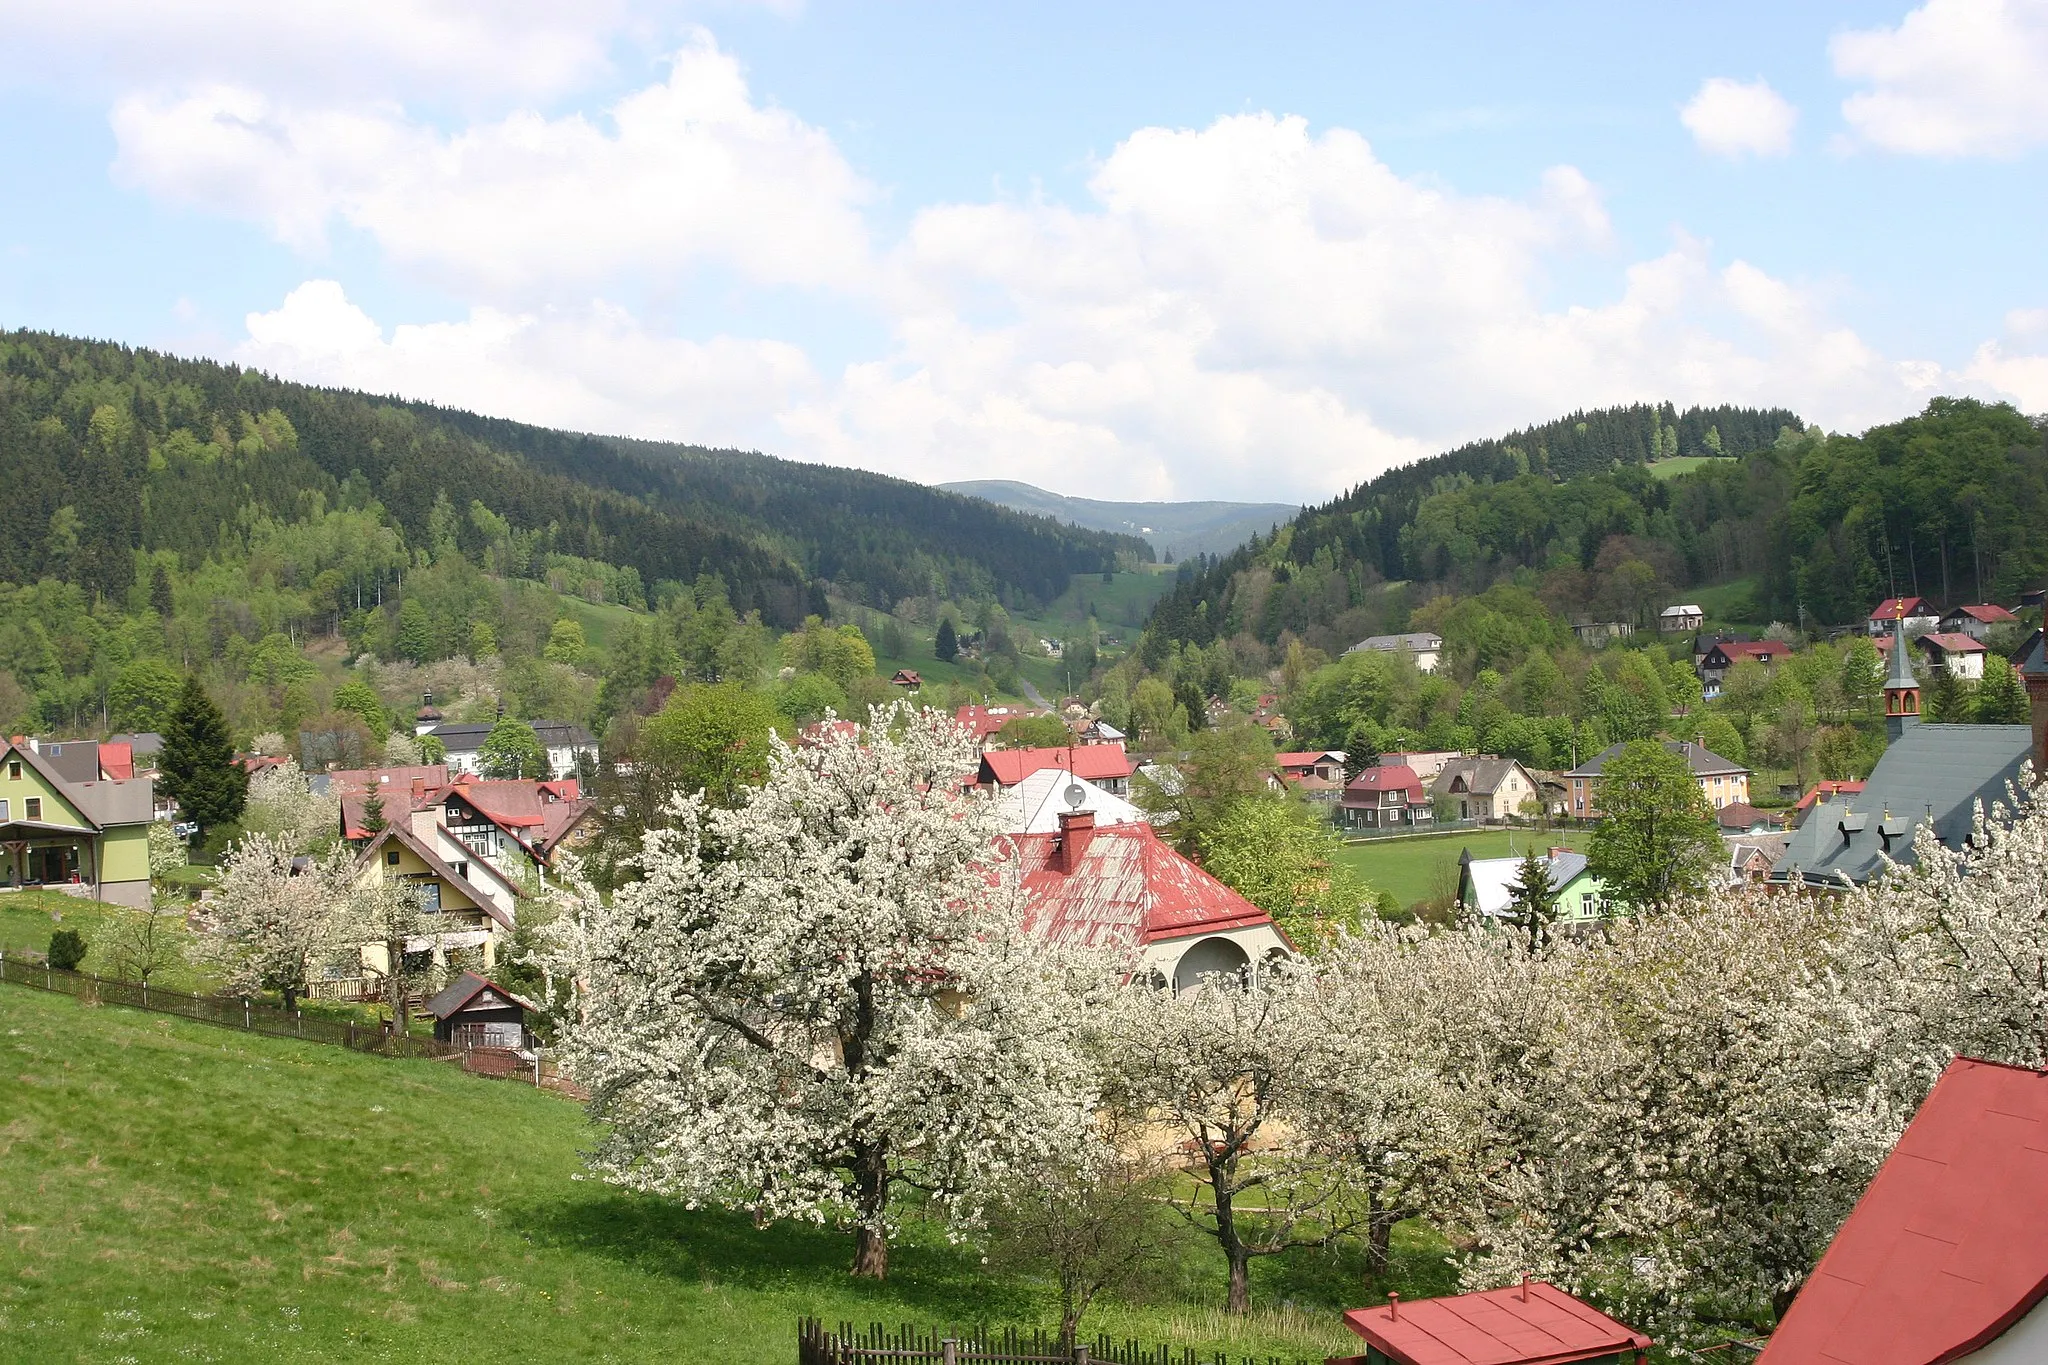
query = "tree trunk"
{"x": 1379, "y": 1244}
{"x": 871, "y": 1206}
{"x": 1240, "y": 1301}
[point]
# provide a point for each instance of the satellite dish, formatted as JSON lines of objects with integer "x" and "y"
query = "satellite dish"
{"x": 1076, "y": 794}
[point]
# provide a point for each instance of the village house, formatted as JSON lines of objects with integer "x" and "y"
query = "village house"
{"x": 466, "y": 903}
{"x": 1486, "y": 886}
{"x": 1721, "y": 656}
{"x": 1600, "y": 634}
{"x": 1100, "y": 731}
{"x": 1035, "y": 805}
{"x": 1917, "y": 614}
{"x": 1427, "y": 763}
{"x": 1956, "y": 654}
{"x": 1679, "y": 619}
{"x": 1123, "y": 886}
{"x": 1106, "y": 765}
{"x": 1976, "y": 621}
{"x": 1722, "y": 782}
{"x": 1751, "y": 857}
{"x": 1427, "y": 647}
{"x": 1386, "y": 796}
{"x": 515, "y": 824}
{"x": 571, "y": 749}
{"x": 1942, "y": 1259}
{"x": 1739, "y": 817}
{"x": 982, "y": 723}
{"x": 1314, "y": 776}
{"x": 907, "y": 679}
{"x": 66, "y": 826}
{"x": 1486, "y": 788}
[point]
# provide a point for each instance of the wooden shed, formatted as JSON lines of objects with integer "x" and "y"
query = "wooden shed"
{"x": 475, "y": 1012}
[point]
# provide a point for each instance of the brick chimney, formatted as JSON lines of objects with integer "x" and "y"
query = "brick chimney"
{"x": 1077, "y": 828}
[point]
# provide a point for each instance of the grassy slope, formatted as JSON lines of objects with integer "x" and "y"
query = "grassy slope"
{"x": 1680, "y": 464}
{"x": 28, "y": 918}
{"x": 174, "y": 1191}
{"x": 1415, "y": 869}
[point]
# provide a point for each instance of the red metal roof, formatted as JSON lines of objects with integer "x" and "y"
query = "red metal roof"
{"x": 1532, "y": 1324}
{"x": 1129, "y": 888}
{"x": 1096, "y": 762}
{"x": 1374, "y": 782}
{"x": 117, "y": 761}
{"x": 983, "y": 721}
{"x": 1306, "y": 759}
{"x": 1901, "y": 606}
{"x": 1821, "y": 791}
{"x": 1952, "y": 642}
{"x": 1944, "y": 1251}
{"x": 1990, "y": 613}
{"x": 1755, "y": 649}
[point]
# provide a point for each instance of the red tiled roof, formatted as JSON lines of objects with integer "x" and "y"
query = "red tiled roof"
{"x": 983, "y": 721}
{"x": 1901, "y": 606}
{"x": 1304, "y": 759}
{"x": 1990, "y": 613}
{"x": 1531, "y": 1324}
{"x": 117, "y": 761}
{"x": 1130, "y": 888}
{"x": 1096, "y": 762}
{"x": 1952, "y": 642}
{"x": 537, "y": 814}
{"x": 1944, "y": 1251}
{"x": 1755, "y": 649}
{"x": 1376, "y": 782}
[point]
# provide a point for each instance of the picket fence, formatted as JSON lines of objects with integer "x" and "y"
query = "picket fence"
{"x": 849, "y": 1345}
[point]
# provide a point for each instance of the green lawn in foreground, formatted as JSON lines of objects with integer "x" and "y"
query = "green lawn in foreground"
{"x": 28, "y": 918}
{"x": 171, "y": 1191}
{"x": 1418, "y": 869}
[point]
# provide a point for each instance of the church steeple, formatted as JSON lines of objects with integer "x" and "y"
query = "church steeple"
{"x": 1901, "y": 689}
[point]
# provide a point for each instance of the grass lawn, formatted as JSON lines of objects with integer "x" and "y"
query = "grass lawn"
{"x": 1733, "y": 601}
{"x": 171, "y": 1191}
{"x": 28, "y": 918}
{"x": 1417, "y": 869}
{"x": 1681, "y": 464}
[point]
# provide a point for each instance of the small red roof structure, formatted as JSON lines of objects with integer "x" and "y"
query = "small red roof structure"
{"x": 1763, "y": 651}
{"x": 117, "y": 761}
{"x": 1944, "y": 1252}
{"x": 1307, "y": 759}
{"x": 1119, "y": 885}
{"x": 1096, "y": 762}
{"x": 1823, "y": 791}
{"x": 907, "y": 677}
{"x": 1990, "y": 613}
{"x": 1531, "y": 1323}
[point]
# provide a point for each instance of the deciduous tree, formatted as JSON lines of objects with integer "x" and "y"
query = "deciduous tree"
{"x": 1656, "y": 840}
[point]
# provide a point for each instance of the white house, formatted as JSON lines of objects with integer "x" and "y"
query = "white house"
{"x": 1957, "y": 655}
{"x": 1426, "y": 646}
{"x": 1686, "y": 616}
{"x": 566, "y": 744}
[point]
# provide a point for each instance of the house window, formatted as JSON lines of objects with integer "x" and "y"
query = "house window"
{"x": 391, "y": 857}
{"x": 3, "y": 808}
{"x": 462, "y": 870}
{"x": 33, "y": 807}
{"x": 14, "y": 770}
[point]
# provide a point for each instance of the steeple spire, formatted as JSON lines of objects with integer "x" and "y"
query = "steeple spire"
{"x": 1901, "y": 689}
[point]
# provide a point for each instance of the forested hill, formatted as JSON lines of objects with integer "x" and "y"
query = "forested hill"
{"x": 107, "y": 450}
{"x": 1603, "y": 514}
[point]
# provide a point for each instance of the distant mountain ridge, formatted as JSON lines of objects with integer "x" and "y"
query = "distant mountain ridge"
{"x": 1180, "y": 529}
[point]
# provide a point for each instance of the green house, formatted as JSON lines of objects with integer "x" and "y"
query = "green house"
{"x": 1486, "y": 886}
{"x": 87, "y": 835}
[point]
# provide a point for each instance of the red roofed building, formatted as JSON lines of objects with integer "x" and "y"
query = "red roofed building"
{"x": 1531, "y": 1323}
{"x": 1722, "y": 656}
{"x": 507, "y": 821}
{"x": 1385, "y": 797}
{"x": 1943, "y": 1258}
{"x": 1953, "y": 652}
{"x": 1315, "y": 776}
{"x": 1122, "y": 885}
{"x": 117, "y": 761}
{"x": 1821, "y": 791}
{"x": 1977, "y": 621}
{"x": 1917, "y": 613}
{"x": 1106, "y": 765}
{"x": 982, "y": 722}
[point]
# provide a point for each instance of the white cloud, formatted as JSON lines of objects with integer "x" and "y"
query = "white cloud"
{"x": 1733, "y": 119}
{"x": 1955, "y": 78}
{"x": 683, "y": 173}
{"x": 590, "y": 368}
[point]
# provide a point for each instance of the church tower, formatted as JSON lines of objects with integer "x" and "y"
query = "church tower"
{"x": 1901, "y": 689}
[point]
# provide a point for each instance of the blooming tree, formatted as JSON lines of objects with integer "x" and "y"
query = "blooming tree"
{"x": 270, "y": 925}
{"x": 282, "y": 803}
{"x": 1225, "y": 1069}
{"x": 822, "y": 994}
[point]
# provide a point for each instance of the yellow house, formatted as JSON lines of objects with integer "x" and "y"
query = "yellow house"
{"x": 466, "y": 902}
{"x": 1723, "y": 783}
{"x": 85, "y": 837}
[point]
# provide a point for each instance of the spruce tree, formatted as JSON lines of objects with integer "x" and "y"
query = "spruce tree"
{"x": 947, "y": 646}
{"x": 160, "y": 592}
{"x": 373, "y": 813}
{"x": 198, "y": 761}
{"x": 1534, "y": 903}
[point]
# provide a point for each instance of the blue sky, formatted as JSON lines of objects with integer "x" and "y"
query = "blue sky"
{"x": 1144, "y": 250}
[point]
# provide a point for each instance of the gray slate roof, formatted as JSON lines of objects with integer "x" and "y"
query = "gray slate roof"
{"x": 1703, "y": 762}
{"x": 462, "y": 737}
{"x": 1415, "y": 642}
{"x": 1942, "y": 770}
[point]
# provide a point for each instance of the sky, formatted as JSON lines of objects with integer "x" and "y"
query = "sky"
{"x": 1123, "y": 251}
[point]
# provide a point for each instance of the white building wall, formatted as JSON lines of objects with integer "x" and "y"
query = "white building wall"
{"x": 2023, "y": 1343}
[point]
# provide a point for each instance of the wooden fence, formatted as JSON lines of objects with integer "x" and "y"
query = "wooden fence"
{"x": 253, "y": 1016}
{"x": 848, "y": 1345}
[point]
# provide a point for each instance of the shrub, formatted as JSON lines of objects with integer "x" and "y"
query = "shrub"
{"x": 67, "y": 950}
